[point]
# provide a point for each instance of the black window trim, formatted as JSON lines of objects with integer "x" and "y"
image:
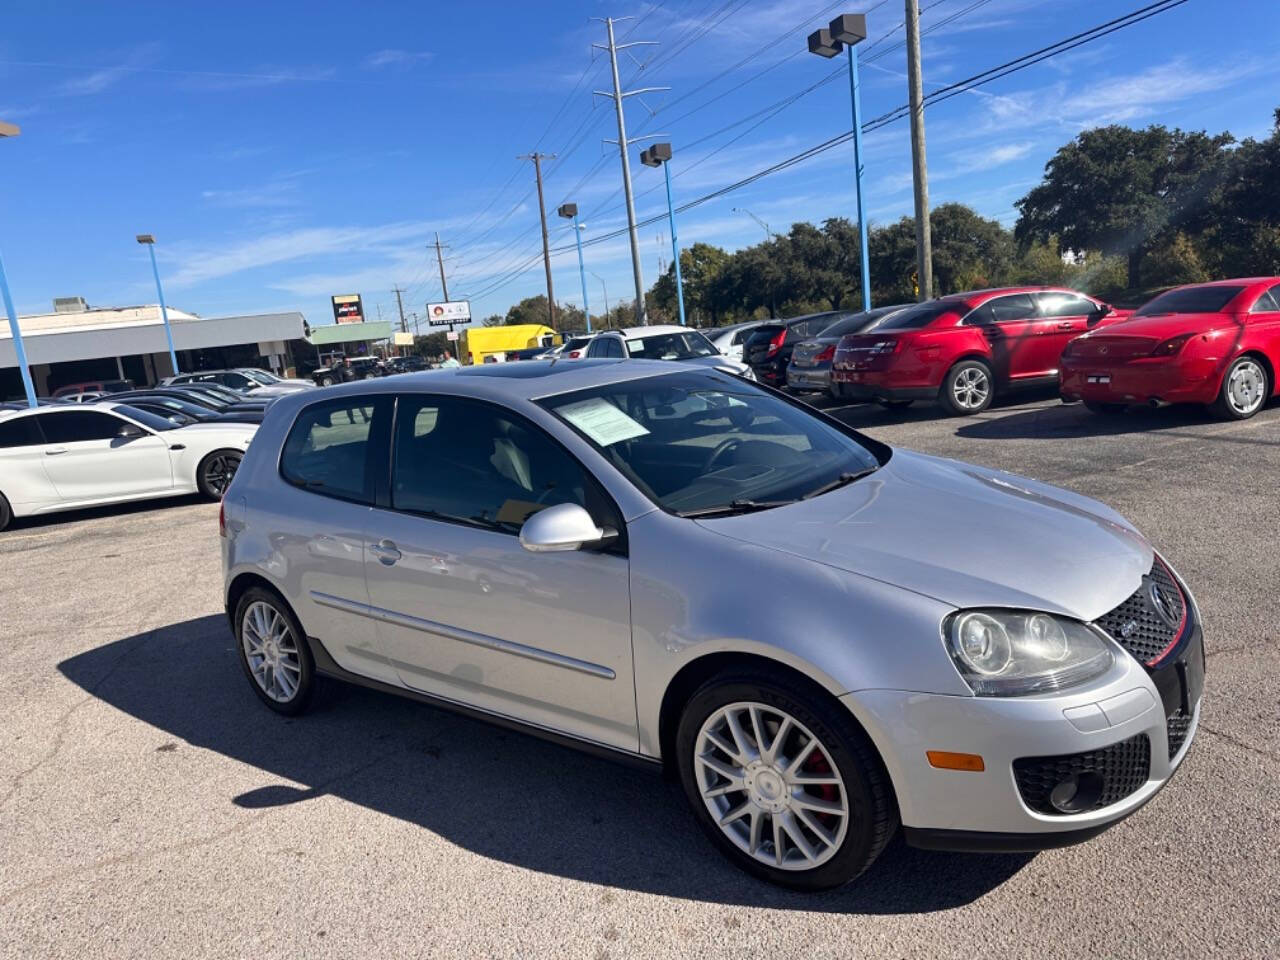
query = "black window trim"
{"x": 373, "y": 465}
{"x": 34, "y": 419}
{"x": 82, "y": 409}
{"x": 1269, "y": 294}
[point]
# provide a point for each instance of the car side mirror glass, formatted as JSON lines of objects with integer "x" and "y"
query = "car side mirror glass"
{"x": 566, "y": 526}
{"x": 129, "y": 431}
{"x": 1103, "y": 310}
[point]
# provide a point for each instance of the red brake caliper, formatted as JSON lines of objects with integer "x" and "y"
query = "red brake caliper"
{"x": 817, "y": 764}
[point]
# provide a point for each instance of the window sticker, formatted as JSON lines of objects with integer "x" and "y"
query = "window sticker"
{"x": 601, "y": 421}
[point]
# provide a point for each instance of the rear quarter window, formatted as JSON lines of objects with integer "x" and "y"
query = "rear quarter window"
{"x": 327, "y": 449}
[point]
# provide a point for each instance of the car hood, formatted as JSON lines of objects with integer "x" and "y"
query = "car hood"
{"x": 965, "y": 535}
{"x": 719, "y": 363}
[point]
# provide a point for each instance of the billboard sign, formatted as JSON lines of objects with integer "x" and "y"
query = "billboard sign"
{"x": 449, "y": 313}
{"x": 347, "y": 308}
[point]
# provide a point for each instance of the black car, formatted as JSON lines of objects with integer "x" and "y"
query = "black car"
{"x": 240, "y": 411}
{"x": 768, "y": 350}
{"x": 810, "y": 366}
{"x": 410, "y": 364}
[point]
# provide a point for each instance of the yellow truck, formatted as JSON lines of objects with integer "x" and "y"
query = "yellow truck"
{"x": 480, "y": 343}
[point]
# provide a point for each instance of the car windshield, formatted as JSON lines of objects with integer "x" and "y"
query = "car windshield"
{"x": 1190, "y": 300}
{"x": 921, "y": 315}
{"x": 261, "y": 376}
{"x": 149, "y": 420}
{"x": 706, "y": 443}
{"x": 685, "y": 345}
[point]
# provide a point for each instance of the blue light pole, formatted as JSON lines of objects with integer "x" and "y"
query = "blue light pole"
{"x": 570, "y": 212}
{"x": 11, "y": 130}
{"x": 149, "y": 241}
{"x": 848, "y": 30}
{"x": 659, "y": 155}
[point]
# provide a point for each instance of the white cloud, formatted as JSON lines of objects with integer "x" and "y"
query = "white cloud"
{"x": 92, "y": 83}
{"x": 387, "y": 58}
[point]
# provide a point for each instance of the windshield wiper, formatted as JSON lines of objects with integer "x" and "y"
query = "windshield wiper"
{"x": 844, "y": 479}
{"x": 732, "y": 507}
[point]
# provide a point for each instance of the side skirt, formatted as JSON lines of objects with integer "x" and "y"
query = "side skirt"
{"x": 328, "y": 667}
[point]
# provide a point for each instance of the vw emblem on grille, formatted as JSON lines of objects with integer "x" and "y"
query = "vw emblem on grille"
{"x": 1163, "y": 604}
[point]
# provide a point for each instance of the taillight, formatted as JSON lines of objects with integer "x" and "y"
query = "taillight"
{"x": 889, "y": 345}
{"x": 826, "y": 355}
{"x": 776, "y": 341}
{"x": 1171, "y": 346}
{"x": 222, "y": 517}
{"x": 574, "y": 354}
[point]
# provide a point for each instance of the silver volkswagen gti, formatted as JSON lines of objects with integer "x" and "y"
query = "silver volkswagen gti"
{"x": 821, "y": 637}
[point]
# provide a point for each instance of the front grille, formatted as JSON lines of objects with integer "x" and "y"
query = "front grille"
{"x": 1137, "y": 624}
{"x": 1179, "y": 725}
{"x": 1105, "y": 776}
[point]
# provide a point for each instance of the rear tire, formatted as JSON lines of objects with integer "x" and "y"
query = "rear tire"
{"x": 1244, "y": 391}
{"x": 832, "y": 814}
{"x": 273, "y": 651}
{"x": 1107, "y": 409}
{"x": 6, "y": 512}
{"x": 968, "y": 388}
{"x": 216, "y": 471}
{"x": 326, "y": 381}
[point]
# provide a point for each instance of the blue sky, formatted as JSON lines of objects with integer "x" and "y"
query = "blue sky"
{"x": 283, "y": 152}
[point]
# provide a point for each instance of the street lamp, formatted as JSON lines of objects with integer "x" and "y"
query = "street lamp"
{"x": 659, "y": 155}
{"x": 848, "y": 30}
{"x": 606, "y": 296}
{"x": 11, "y": 130}
{"x": 149, "y": 241}
{"x": 570, "y": 212}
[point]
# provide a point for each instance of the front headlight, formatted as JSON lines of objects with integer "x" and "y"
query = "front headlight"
{"x": 1005, "y": 653}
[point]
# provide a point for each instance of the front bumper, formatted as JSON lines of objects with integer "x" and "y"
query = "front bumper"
{"x": 962, "y": 810}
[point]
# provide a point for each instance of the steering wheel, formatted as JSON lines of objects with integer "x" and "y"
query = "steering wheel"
{"x": 724, "y": 447}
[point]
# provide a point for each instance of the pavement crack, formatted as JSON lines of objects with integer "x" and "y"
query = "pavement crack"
{"x": 1238, "y": 742}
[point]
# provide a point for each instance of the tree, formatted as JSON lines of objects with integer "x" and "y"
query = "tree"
{"x": 1117, "y": 190}
{"x": 528, "y": 310}
{"x": 493, "y": 320}
{"x": 1244, "y": 238}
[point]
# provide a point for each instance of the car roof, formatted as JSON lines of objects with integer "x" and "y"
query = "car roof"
{"x": 650, "y": 330}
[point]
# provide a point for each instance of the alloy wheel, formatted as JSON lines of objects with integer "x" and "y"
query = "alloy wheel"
{"x": 771, "y": 786}
{"x": 272, "y": 651}
{"x": 971, "y": 388}
{"x": 1246, "y": 389}
{"x": 219, "y": 472}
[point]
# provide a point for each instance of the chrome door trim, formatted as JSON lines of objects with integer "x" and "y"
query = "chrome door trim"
{"x": 463, "y": 636}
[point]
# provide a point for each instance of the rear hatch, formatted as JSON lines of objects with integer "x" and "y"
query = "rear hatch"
{"x": 811, "y": 353}
{"x": 764, "y": 342}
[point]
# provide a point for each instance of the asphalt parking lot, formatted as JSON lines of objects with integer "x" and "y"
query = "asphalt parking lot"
{"x": 152, "y": 807}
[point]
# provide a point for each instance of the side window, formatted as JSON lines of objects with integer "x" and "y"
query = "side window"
{"x": 327, "y": 450}
{"x": 78, "y": 425}
{"x": 613, "y": 348}
{"x": 1064, "y": 305}
{"x": 20, "y": 432}
{"x": 469, "y": 462}
{"x": 1267, "y": 302}
{"x": 596, "y": 347}
{"x": 1016, "y": 306}
{"x": 742, "y": 335}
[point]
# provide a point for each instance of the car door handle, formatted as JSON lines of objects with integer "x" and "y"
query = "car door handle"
{"x": 386, "y": 552}
{"x": 178, "y": 446}
{"x": 54, "y": 451}
{"x": 1066, "y": 325}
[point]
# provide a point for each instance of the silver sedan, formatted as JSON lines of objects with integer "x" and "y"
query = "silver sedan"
{"x": 821, "y": 637}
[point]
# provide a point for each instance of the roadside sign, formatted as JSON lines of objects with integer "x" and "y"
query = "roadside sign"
{"x": 452, "y": 334}
{"x": 402, "y": 339}
{"x": 347, "y": 308}
{"x": 448, "y": 313}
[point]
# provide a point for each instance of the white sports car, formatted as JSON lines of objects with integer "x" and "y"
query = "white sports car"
{"x": 65, "y": 457}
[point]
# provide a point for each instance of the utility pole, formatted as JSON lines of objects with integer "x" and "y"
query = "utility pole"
{"x": 919, "y": 167}
{"x": 617, "y": 96}
{"x": 440, "y": 260}
{"x": 537, "y": 159}
{"x": 404, "y": 327}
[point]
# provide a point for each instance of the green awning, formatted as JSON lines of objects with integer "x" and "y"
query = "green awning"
{"x": 349, "y": 333}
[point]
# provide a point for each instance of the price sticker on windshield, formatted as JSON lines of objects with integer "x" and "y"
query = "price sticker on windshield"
{"x": 601, "y": 421}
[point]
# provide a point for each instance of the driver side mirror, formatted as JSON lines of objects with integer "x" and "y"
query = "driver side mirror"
{"x": 130, "y": 431}
{"x": 1104, "y": 310}
{"x": 566, "y": 526}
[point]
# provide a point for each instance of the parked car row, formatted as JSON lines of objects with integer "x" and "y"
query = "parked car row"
{"x": 564, "y": 553}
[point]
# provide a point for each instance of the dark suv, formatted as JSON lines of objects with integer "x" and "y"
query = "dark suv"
{"x": 768, "y": 351}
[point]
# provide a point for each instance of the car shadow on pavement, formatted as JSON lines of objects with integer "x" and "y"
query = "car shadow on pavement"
{"x": 1075, "y": 420}
{"x": 46, "y": 520}
{"x": 500, "y": 794}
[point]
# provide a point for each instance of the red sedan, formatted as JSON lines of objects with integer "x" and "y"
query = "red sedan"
{"x": 1211, "y": 343}
{"x": 965, "y": 348}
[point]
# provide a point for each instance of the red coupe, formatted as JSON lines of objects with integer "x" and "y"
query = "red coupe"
{"x": 965, "y": 348}
{"x": 1211, "y": 343}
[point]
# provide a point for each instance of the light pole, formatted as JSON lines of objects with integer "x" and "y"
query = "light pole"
{"x": 570, "y": 212}
{"x": 606, "y": 296}
{"x": 11, "y": 130}
{"x": 149, "y": 241}
{"x": 768, "y": 234}
{"x": 848, "y": 30}
{"x": 659, "y": 155}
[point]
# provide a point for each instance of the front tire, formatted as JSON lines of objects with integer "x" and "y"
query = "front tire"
{"x": 6, "y": 512}
{"x": 327, "y": 381}
{"x": 968, "y": 388}
{"x": 273, "y": 651}
{"x": 783, "y": 780}
{"x": 216, "y": 472}
{"x": 1244, "y": 390}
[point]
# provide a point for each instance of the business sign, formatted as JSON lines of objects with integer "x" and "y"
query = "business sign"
{"x": 451, "y": 334}
{"x": 402, "y": 339}
{"x": 449, "y": 313}
{"x": 347, "y": 308}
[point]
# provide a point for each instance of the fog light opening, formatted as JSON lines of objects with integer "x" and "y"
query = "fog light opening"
{"x": 1077, "y": 794}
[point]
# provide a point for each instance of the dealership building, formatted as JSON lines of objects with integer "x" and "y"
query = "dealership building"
{"x": 78, "y": 343}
